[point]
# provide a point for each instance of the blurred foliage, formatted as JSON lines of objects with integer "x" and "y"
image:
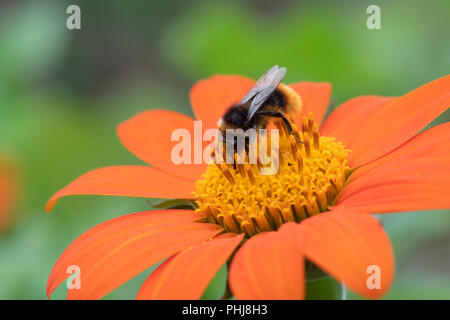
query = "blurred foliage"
{"x": 317, "y": 41}
{"x": 62, "y": 93}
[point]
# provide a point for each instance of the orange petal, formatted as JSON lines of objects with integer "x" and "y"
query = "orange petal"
{"x": 128, "y": 181}
{"x": 351, "y": 116}
{"x": 315, "y": 97}
{"x": 430, "y": 143}
{"x": 186, "y": 275}
{"x": 400, "y": 121}
{"x": 345, "y": 245}
{"x": 269, "y": 266}
{"x": 148, "y": 136}
{"x": 211, "y": 97}
{"x": 117, "y": 250}
{"x": 416, "y": 184}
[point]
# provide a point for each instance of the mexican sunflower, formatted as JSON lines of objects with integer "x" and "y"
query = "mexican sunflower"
{"x": 8, "y": 194}
{"x": 366, "y": 157}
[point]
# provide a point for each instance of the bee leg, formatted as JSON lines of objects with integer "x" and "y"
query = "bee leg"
{"x": 235, "y": 150}
{"x": 289, "y": 127}
{"x": 247, "y": 145}
{"x": 277, "y": 114}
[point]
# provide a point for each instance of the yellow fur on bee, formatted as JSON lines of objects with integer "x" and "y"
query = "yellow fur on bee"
{"x": 293, "y": 101}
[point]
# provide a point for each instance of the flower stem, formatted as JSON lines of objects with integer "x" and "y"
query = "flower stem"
{"x": 227, "y": 294}
{"x": 325, "y": 289}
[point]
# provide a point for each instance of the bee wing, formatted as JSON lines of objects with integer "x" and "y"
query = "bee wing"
{"x": 259, "y": 84}
{"x": 265, "y": 86}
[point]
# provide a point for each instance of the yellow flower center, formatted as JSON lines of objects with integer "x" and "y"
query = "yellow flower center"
{"x": 242, "y": 200}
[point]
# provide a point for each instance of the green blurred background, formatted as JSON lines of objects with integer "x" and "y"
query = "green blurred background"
{"x": 63, "y": 92}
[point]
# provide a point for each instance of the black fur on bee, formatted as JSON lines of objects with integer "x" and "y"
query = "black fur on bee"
{"x": 278, "y": 99}
{"x": 237, "y": 116}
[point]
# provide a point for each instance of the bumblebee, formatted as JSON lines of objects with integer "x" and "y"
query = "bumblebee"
{"x": 269, "y": 98}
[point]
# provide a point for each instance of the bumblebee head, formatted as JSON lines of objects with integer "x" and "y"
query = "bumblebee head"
{"x": 235, "y": 117}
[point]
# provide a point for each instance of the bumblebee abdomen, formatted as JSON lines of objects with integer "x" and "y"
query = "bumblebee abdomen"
{"x": 292, "y": 102}
{"x": 277, "y": 100}
{"x": 284, "y": 99}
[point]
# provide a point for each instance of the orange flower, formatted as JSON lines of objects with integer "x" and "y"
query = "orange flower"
{"x": 8, "y": 194}
{"x": 315, "y": 209}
